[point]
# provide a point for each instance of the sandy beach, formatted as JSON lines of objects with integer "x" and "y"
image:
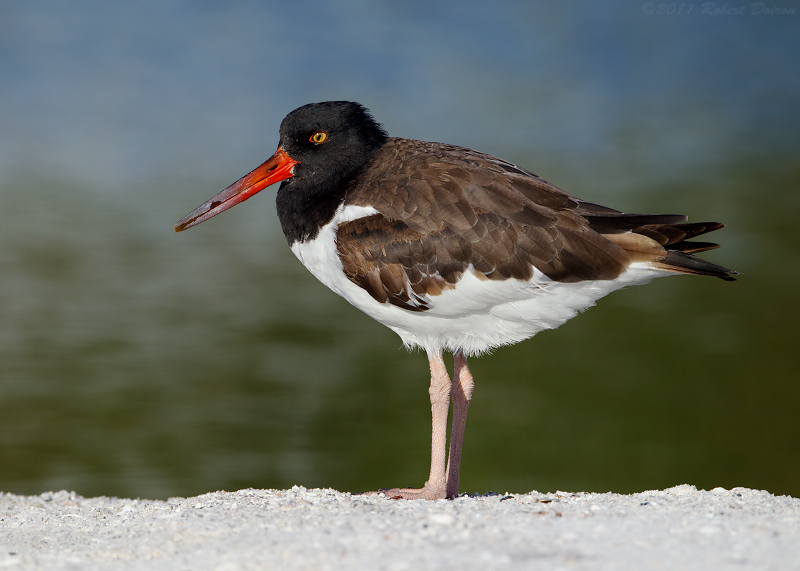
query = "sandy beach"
{"x": 677, "y": 528}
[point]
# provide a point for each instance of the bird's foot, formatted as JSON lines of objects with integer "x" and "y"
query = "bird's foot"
{"x": 426, "y": 493}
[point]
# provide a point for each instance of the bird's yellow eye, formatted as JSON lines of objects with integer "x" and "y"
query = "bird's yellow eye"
{"x": 319, "y": 137}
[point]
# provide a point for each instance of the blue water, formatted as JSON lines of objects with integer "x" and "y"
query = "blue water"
{"x": 113, "y": 93}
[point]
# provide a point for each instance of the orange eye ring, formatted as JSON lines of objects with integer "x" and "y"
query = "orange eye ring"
{"x": 318, "y": 137}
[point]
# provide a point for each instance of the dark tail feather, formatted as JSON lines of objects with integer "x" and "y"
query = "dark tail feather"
{"x": 618, "y": 222}
{"x": 670, "y": 231}
{"x": 674, "y": 238}
{"x": 669, "y": 234}
{"x": 693, "y": 247}
{"x": 684, "y": 263}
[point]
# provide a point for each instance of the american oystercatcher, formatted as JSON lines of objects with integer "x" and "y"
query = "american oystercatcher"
{"x": 454, "y": 250}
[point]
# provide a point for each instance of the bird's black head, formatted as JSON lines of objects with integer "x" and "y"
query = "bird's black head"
{"x": 331, "y": 140}
{"x": 323, "y": 146}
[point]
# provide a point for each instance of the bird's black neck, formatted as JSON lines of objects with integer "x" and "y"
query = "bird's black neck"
{"x": 306, "y": 204}
{"x": 302, "y": 212}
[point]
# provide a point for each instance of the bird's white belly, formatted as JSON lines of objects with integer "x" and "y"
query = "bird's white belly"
{"x": 474, "y": 316}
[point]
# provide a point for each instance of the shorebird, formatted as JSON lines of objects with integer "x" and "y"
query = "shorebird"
{"x": 454, "y": 250}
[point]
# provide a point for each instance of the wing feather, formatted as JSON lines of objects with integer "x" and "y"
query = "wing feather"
{"x": 443, "y": 209}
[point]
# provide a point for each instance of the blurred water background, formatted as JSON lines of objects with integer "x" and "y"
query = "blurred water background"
{"x": 136, "y": 362}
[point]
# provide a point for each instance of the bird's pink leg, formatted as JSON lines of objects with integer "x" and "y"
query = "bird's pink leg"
{"x": 436, "y": 486}
{"x": 461, "y": 393}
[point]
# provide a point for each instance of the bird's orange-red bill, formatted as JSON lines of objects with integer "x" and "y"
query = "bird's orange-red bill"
{"x": 275, "y": 169}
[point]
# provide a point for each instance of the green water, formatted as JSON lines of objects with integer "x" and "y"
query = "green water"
{"x": 136, "y": 362}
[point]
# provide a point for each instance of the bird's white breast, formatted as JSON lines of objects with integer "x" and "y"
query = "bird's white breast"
{"x": 474, "y": 316}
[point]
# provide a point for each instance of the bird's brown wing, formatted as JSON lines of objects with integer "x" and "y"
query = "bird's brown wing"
{"x": 444, "y": 208}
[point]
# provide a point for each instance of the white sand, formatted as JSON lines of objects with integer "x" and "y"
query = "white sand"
{"x": 678, "y": 528}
